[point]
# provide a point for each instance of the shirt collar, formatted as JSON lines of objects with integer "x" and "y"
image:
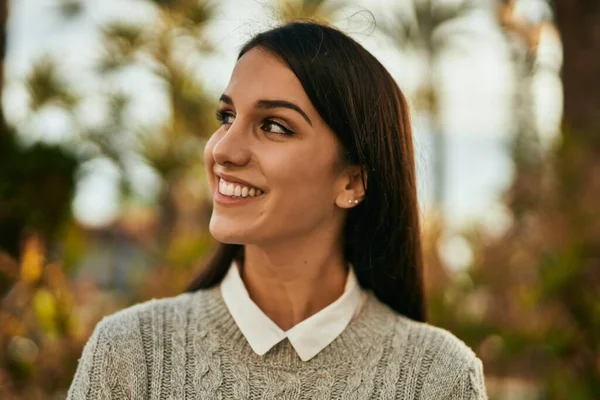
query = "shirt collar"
{"x": 308, "y": 337}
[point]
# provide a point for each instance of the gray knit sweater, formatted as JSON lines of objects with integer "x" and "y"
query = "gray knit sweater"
{"x": 189, "y": 347}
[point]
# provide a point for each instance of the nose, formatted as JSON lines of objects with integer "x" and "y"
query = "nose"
{"x": 231, "y": 147}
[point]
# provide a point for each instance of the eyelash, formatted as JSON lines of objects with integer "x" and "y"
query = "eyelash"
{"x": 222, "y": 115}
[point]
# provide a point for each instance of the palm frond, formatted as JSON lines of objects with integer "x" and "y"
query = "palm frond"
{"x": 45, "y": 86}
{"x": 199, "y": 13}
{"x": 121, "y": 43}
{"x": 418, "y": 27}
{"x": 191, "y": 107}
{"x": 318, "y": 10}
{"x": 166, "y": 151}
{"x": 187, "y": 13}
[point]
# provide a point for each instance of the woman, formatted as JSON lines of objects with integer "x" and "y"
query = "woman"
{"x": 316, "y": 290}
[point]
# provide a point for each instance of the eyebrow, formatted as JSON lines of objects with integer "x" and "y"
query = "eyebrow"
{"x": 270, "y": 104}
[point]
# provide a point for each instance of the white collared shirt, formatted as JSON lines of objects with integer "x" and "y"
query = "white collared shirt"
{"x": 308, "y": 337}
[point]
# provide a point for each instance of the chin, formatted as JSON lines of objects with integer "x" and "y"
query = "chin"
{"x": 229, "y": 232}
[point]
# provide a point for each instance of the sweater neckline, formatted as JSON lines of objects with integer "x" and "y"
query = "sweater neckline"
{"x": 212, "y": 318}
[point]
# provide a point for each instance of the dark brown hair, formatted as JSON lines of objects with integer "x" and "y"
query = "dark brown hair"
{"x": 360, "y": 101}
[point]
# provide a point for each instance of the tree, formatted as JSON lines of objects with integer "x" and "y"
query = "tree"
{"x": 428, "y": 28}
{"x": 173, "y": 148}
{"x": 36, "y": 188}
{"x": 530, "y": 303}
{"x": 36, "y": 182}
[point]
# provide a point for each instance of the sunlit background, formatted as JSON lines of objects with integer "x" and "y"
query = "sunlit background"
{"x": 103, "y": 202}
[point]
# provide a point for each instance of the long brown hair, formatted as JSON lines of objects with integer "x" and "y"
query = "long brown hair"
{"x": 360, "y": 101}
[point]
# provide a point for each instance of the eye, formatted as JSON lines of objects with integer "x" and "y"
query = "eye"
{"x": 224, "y": 117}
{"x": 269, "y": 126}
{"x": 279, "y": 128}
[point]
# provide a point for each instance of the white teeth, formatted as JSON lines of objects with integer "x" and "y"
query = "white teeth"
{"x": 230, "y": 189}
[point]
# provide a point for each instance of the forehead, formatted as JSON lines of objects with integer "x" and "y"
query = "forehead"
{"x": 260, "y": 75}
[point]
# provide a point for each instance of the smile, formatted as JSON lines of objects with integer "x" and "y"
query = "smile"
{"x": 236, "y": 190}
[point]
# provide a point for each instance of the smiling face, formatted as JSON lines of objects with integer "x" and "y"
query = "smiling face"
{"x": 282, "y": 175}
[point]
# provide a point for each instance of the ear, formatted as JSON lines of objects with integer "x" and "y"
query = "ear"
{"x": 353, "y": 183}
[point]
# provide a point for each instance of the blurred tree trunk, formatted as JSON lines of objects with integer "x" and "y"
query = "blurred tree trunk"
{"x": 3, "y": 21}
{"x": 579, "y": 24}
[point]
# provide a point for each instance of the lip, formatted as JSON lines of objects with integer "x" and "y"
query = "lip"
{"x": 233, "y": 179}
{"x": 220, "y": 198}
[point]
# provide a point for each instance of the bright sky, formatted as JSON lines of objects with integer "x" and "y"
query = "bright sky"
{"x": 475, "y": 84}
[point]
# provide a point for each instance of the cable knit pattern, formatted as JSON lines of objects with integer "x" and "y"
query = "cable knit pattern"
{"x": 189, "y": 347}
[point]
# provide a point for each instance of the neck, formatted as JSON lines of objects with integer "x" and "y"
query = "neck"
{"x": 291, "y": 282}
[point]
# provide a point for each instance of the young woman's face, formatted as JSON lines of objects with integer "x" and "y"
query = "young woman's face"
{"x": 273, "y": 164}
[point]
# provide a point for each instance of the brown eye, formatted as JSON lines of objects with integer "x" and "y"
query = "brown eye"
{"x": 278, "y": 128}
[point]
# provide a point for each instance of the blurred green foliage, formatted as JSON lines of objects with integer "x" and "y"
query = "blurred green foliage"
{"x": 36, "y": 187}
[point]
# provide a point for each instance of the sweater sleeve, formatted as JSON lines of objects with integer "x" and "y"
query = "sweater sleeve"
{"x": 112, "y": 363}
{"x": 89, "y": 381}
{"x": 471, "y": 384}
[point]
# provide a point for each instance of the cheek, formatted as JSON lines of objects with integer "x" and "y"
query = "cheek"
{"x": 303, "y": 184}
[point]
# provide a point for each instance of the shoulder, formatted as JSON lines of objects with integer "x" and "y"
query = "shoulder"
{"x": 118, "y": 356}
{"x": 438, "y": 345}
{"x": 418, "y": 341}
{"x": 142, "y": 318}
{"x": 434, "y": 362}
